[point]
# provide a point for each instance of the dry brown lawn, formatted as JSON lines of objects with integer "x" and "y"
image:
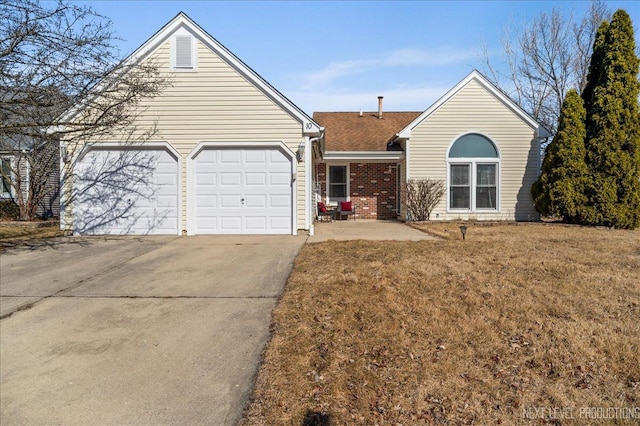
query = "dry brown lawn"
{"x": 14, "y": 234}
{"x": 519, "y": 324}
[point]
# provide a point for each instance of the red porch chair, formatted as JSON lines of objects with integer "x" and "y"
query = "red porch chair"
{"x": 346, "y": 208}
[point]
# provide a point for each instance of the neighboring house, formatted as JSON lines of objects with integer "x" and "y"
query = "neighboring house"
{"x": 231, "y": 154}
{"x": 477, "y": 141}
{"x": 30, "y": 165}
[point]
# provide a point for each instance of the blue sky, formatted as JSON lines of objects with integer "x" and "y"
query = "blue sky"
{"x": 338, "y": 55}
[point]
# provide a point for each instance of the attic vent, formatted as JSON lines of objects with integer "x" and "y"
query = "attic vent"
{"x": 184, "y": 57}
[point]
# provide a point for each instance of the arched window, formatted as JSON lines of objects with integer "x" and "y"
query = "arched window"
{"x": 473, "y": 173}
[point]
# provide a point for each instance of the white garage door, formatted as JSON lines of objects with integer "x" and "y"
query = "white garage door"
{"x": 242, "y": 191}
{"x": 126, "y": 192}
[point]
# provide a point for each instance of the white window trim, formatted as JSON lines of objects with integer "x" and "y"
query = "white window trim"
{"x": 473, "y": 162}
{"x": 327, "y": 197}
{"x": 3, "y": 194}
{"x": 194, "y": 52}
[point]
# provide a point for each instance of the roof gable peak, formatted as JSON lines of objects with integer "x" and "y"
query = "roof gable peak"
{"x": 182, "y": 20}
{"x": 476, "y": 76}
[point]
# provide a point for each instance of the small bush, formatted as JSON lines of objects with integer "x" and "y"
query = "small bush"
{"x": 421, "y": 196}
{"x": 9, "y": 210}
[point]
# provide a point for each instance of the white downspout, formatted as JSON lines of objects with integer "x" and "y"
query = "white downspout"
{"x": 407, "y": 166}
{"x": 62, "y": 182}
{"x": 308, "y": 180}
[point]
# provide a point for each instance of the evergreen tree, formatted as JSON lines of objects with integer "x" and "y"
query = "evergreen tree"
{"x": 559, "y": 191}
{"x": 594, "y": 76}
{"x": 612, "y": 134}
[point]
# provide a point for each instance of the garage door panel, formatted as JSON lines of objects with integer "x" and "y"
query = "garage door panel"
{"x": 230, "y": 201}
{"x": 230, "y": 223}
{"x": 230, "y": 157}
{"x": 143, "y": 206}
{"x": 255, "y": 156}
{"x": 256, "y": 223}
{"x": 205, "y": 167}
{"x": 206, "y": 179}
{"x": 126, "y": 191}
{"x": 280, "y": 223}
{"x": 255, "y": 201}
{"x": 202, "y": 202}
{"x": 167, "y": 178}
{"x": 167, "y": 201}
{"x": 206, "y": 157}
{"x": 206, "y": 204}
{"x": 255, "y": 179}
{"x": 261, "y": 177}
{"x": 276, "y": 157}
{"x": 228, "y": 179}
{"x": 166, "y": 168}
{"x": 280, "y": 179}
{"x": 210, "y": 223}
{"x": 280, "y": 201}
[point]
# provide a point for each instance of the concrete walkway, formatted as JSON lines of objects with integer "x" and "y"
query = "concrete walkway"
{"x": 137, "y": 330}
{"x": 363, "y": 229}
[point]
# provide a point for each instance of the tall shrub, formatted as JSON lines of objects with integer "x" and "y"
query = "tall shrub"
{"x": 559, "y": 191}
{"x": 612, "y": 134}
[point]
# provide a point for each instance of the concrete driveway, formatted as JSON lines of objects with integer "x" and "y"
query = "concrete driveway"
{"x": 136, "y": 330}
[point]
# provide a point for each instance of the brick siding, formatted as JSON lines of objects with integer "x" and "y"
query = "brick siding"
{"x": 372, "y": 188}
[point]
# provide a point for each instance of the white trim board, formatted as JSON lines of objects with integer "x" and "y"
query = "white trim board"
{"x": 364, "y": 156}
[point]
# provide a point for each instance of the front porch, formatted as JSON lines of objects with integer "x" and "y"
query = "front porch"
{"x": 373, "y": 188}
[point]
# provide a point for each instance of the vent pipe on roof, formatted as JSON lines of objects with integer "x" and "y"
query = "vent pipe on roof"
{"x": 360, "y": 113}
{"x": 379, "y": 106}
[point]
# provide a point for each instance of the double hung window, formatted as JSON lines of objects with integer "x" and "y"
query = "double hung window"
{"x": 338, "y": 188}
{"x": 473, "y": 174}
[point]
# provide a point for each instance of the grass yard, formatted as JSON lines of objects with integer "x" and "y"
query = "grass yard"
{"x": 13, "y": 234}
{"x": 519, "y": 324}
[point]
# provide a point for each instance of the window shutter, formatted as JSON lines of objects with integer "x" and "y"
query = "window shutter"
{"x": 183, "y": 52}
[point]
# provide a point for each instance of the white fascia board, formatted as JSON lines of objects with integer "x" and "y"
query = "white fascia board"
{"x": 368, "y": 156}
{"x": 309, "y": 127}
{"x": 482, "y": 80}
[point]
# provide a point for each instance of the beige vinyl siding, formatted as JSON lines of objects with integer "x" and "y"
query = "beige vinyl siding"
{"x": 475, "y": 110}
{"x": 215, "y": 103}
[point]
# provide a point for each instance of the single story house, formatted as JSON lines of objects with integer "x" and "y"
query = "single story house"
{"x": 232, "y": 155}
{"x": 475, "y": 139}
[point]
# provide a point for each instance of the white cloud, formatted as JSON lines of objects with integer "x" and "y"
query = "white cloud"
{"x": 334, "y": 71}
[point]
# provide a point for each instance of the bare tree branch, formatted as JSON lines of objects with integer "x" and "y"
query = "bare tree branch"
{"x": 552, "y": 56}
{"x": 55, "y": 56}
